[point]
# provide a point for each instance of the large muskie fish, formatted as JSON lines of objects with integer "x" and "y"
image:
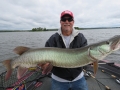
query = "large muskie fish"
{"x": 66, "y": 58}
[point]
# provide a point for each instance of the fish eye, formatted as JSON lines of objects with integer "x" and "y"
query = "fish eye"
{"x": 107, "y": 42}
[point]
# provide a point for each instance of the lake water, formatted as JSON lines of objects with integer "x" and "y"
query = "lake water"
{"x": 10, "y": 40}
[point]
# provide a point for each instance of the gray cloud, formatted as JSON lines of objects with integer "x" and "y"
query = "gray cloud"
{"x": 28, "y": 14}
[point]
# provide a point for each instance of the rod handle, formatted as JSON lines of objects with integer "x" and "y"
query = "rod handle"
{"x": 92, "y": 76}
{"x": 103, "y": 70}
{"x": 107, "y": 88}
{"x": 113, "y": 76}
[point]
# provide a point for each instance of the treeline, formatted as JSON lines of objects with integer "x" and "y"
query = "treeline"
{"x": 95, "y": 28}
{"x": 39, "y": 29}
{"x": 44, "y": 29}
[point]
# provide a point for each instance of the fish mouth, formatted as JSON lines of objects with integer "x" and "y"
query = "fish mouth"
{"x": 115, "y": 45}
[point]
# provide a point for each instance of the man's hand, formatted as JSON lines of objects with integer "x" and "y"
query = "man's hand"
{"x": 47, "y": 67}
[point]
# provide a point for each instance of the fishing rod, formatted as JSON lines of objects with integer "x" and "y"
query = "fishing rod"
{"x": 90, "y": 74}
{"x": 113, "y": 76}
{"x": 112, "y": 64}
{"x": 118, "y": 74}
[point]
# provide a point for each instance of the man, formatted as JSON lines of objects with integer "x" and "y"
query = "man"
{"x": 66, "y": 37}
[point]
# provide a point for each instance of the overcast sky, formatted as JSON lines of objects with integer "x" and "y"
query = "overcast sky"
{"x": 28, "y": 14}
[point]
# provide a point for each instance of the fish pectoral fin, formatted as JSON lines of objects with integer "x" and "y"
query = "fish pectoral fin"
{"x": 21, "y": 71}
{"x": 95, "y": 67}
{"x": 21, "y": 49}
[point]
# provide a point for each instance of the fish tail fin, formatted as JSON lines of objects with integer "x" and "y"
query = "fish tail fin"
{"x": 7, "y": 64}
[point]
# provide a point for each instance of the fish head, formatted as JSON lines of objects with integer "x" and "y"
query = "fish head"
{"x": 114, "y": 43}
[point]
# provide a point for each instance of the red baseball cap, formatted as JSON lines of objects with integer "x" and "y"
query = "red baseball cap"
{"x": 67, "y": 12}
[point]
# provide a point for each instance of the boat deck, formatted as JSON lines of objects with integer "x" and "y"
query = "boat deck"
{"x": 102, "y": 80}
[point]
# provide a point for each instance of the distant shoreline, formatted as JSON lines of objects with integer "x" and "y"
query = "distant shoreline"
{"x": 56, "y": 29}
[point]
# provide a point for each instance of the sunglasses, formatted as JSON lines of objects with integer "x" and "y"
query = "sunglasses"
{"x": 64, "y": 19}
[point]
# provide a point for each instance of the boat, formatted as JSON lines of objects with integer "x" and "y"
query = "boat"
{"x": 107, "y": 78}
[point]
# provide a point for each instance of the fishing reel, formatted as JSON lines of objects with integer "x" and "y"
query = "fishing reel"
{"x": 87, "y": 73}
{"x": 118, "y": 81}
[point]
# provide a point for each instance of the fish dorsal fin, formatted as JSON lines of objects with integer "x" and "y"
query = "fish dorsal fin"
{"x": 21, "y": 49}
{"x": 95, "y": 67}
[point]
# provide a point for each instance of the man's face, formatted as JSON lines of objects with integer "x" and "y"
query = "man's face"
{"x": 67, "y": 23}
